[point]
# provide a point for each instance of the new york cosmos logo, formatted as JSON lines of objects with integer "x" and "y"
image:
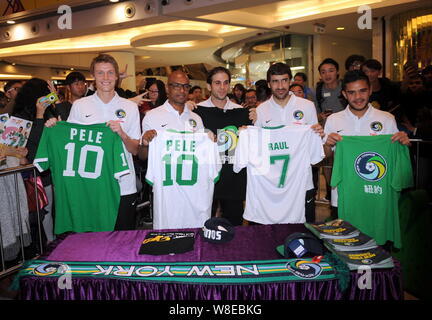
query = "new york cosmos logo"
{"x": 48, "y": 269}
{"x": 304, "y": 269}
{"x": 298, "y": 114}
{"x": 120, "y": 113}
{"x": 376, "y": 126}
{"x": 227, "y": 139}
{"x": 193, "y": 123}
{"x": 370, "y": 166}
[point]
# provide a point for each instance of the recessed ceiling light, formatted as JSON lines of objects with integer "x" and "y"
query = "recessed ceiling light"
{"x": 114, "y": 0}
{"x": 340, "y": 28}
{"x": 10, "y": 22}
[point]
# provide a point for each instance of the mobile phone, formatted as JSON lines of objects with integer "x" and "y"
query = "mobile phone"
{"x": 49, "y": 99}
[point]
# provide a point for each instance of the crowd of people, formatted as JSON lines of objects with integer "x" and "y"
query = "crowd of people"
{"x": 177, "y": 105}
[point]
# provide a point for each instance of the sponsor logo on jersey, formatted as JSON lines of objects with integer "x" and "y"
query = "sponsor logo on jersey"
{"x": 376, "y": 126}
{"x": 304, "y": 269}
{"x": 298, "y": 115}
{"x": 120, "y": 113}
{"x": 192, "y": 123}
{"x": 370, "y": 166}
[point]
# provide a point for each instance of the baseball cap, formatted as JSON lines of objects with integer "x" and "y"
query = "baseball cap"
{"x": 160, "y": 243}
{"x": 300, "y": 244}
{"x": 217, "y": 230}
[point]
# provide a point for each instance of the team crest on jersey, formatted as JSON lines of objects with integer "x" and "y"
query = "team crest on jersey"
{"x": 298, "y": 114}
{"x": 370, "y": 166}
{"x": 304, "y": 269}
{"x": 48, "y": 269}
{"x": 192, "y": 123}
{"x": 227, "y": 138}
{"x": 376, "y": 126}
{"x": 120, "y": 113}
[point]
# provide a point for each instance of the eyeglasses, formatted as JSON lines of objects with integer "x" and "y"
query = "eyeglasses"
{"x": 178, "y": 86}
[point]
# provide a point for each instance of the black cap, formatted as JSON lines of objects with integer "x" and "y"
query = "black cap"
{"x": 303, "y": 245}
{"x": 74, "y": 76}
{"x": 217, "y": 230}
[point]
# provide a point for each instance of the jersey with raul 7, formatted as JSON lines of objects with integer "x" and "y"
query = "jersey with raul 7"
{"x": 278, "y": 160}
{"x": 86, "y": 162}
{"x": 370, "y": 172}
{"x": 182, "y": 168}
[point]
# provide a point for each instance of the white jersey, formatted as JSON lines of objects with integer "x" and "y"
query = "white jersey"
{"x": 277, "y": 160}
{"x": 92, "y": 110}
{"x": 297, "y": 111}
{"x": 182, "y": 168}
{"x": 373, "y": 122}
{"x": 166, "y": 117}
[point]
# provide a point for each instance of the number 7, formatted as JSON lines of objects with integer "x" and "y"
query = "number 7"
{"x": 285, "y": 158}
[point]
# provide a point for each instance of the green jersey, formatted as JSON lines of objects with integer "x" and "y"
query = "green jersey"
{"x": 370, "y": 172}
{"x": 86, "y": 162}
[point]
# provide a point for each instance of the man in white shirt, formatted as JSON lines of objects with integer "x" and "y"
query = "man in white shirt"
{"x": 122, "y": 116}
{"x": 284, "y": 108}
{"x": 173, "y": 114}
{"x": 358, "y": 119}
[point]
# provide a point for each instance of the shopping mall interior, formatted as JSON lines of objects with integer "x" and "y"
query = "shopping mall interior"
{"x": 48, "y": 39}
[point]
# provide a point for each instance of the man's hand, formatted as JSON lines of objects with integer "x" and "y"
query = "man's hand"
{"x": 139, "y": 98}
{"x": 147, "y": 137}
{"x": 115, "y": 126}
{"x": 191, "y": 105}
{"x": 253, "y": 115}
{"x": 317, "y": 128}
{"x": 402, "y": 137}
{"x": 332, "y": 139}
{"x": 51, "y": 122}
{"x": 212, "y": 136}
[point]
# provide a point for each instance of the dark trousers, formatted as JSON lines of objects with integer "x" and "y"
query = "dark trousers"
{"x": 126, "y": 218}
{"x": 310, "y": 206}
{"x": 232, "y": 210}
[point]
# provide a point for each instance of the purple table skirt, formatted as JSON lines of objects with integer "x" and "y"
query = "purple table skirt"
{"x": 249, "y": 243}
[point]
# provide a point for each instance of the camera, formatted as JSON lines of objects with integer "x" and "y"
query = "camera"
{"x": 165, "y": 2}
{"x": 49, "y": 99}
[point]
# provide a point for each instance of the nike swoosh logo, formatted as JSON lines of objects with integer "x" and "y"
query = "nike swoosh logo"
{"x": 268, "y": 121}
{"x": 309, "y": 201}
{"x": 163, "y": 125}
{"x": 339, "y": 131}
{"x": 88, "y": 115}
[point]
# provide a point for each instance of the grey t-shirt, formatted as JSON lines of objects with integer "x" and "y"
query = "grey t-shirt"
{"x": 331, "y": 100}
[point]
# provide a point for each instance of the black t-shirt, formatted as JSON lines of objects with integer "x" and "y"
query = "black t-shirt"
{"x": 387, "y": 97}
{"x": 224, "y": 124}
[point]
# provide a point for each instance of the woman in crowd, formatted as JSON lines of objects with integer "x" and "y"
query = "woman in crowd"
{"x": 156, "y": 97}
{"x": 28, "y": 107}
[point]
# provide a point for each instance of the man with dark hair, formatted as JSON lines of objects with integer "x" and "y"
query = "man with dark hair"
{"x": 301, "y": 79}
{"x": 196, "y": 94}
{"x": 328, "y": 91}
{"x": 284, "y": 108}
{"x": 354, "y": 62}
{"x": 223, "y": 117}
{"x": 250, "y": 99}
{"x": 359, "y": 118}
{"x": 76, "y": 89}
{"x": 385, "y": 95}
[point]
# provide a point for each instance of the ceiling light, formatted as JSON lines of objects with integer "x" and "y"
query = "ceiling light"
{"x": 14, "y": 76}
{"x": 10, "y": 22}
{"x": 340, "y": 28}
{"x": 114, "y": 0}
